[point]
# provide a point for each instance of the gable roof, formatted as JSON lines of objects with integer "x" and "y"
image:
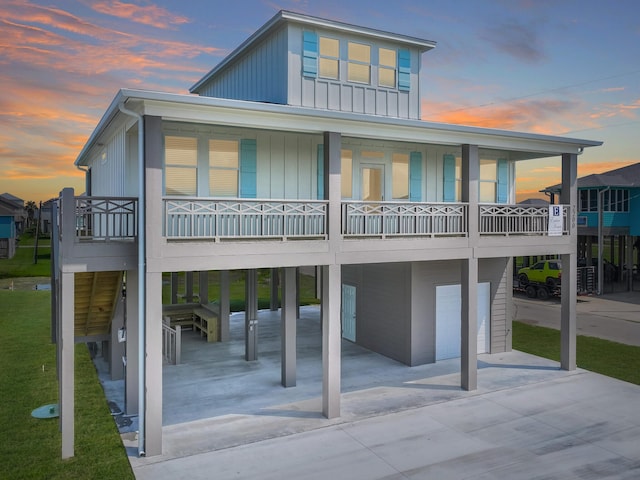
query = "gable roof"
{"x": 9, "y": 207}
{"x": 623, "y": 177}
{"x": 13, "y": 199}
{"x": 284, "y": 16}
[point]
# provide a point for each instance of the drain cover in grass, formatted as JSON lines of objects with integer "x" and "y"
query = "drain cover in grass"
{"x": 46, "y": 411}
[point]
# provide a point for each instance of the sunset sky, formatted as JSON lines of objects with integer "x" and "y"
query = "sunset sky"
{"x": 560, "y": 67}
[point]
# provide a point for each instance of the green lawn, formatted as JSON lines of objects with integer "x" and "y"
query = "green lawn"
{"x": 602, "y": 356}
{"x": 30, "y": 448}
{"x": 23, "y": 263}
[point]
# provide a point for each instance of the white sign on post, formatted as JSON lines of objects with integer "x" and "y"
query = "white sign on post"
{"x": 555, "y": 220}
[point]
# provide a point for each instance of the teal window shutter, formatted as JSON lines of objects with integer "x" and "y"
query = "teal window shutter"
{"x": 320, "y": 175}
{"x": 415, "y": 177}
{"x": 404, "y": 69}
{"x": 310, "y": 54}
{"x": 449, "y": 178}
{"x": 248, "y": 168}
{"x": 503, "y": 181}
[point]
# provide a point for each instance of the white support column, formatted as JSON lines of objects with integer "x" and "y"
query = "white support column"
{"x": 469, "y": 273}
{"x": 132, "y": 347}
{"x": 288, "y": 328}
{"x": 67, "y": 365}
{"x": 469, "y": 327}
{"x": 153, "y": 365}
{"x": 332, "y": 280}
{"x": 225, "y": 305}
{"x": 331, "y": 340}
{"x": 569, "y": 298}
{"x": 251, "y": 315}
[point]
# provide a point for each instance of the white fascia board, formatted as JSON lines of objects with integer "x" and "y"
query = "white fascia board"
{"x": 192, "y": 108}
{"x": 210, "y": 110}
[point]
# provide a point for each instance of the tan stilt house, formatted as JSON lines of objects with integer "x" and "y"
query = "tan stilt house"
{"x": 305, "y": 147}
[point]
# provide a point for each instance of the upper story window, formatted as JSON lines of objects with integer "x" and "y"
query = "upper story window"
{"x": 223, "y": 168}
{"x": 359, "y": 63}
{"x": 400, "y": 176}
{"x": 329, "y": 58}
{"x": 613, "y": 200}
{"x": 346, "y": 173}
{"x": 387, "y": 68}
{"x": 180, "y": 165}
{"x": 488, "y": 181}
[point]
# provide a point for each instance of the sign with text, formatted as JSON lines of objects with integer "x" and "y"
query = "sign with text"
{"x": 555, "y": 220}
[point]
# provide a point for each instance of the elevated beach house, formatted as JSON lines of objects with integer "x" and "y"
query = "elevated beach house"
{"x": 305, "y": 147}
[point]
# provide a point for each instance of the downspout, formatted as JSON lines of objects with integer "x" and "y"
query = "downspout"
{"x": 141, "y": 281}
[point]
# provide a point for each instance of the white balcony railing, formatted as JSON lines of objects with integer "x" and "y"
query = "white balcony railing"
{"x": 206, "y": 218}
{"x": 105, "y": 218}
{"x": 386, "y": 219}
{"x": 509, "y": 220}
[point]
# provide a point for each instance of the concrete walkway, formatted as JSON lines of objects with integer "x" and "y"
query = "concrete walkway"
{"x": 528, "y": 419}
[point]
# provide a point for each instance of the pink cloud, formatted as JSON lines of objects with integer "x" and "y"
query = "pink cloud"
{"x": 151, "y": 15}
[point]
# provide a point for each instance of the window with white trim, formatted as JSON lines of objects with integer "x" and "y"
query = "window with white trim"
{"x": 346, "y": 173}
{"x": 400, "y": 176}
{"x": 359, "y": 63}
{"x": 387, "y": 68}
{"x": 223, "y": 168}
{"x": 488, "y": 186}
{"x": 328, "y": 58}
{"x": 180, "y": 165}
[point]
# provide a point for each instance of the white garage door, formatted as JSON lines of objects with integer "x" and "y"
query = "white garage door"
{"x": 448, "y": 318}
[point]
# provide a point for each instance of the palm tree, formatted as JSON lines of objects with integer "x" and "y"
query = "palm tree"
{"x": 31, "y": 209}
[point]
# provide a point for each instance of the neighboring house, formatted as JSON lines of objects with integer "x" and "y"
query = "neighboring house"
{"x": 305, "y": 148}
{"x": 11, "y": 221}
{"x": 21, "y": 214}
{"x": 613, "y": 196}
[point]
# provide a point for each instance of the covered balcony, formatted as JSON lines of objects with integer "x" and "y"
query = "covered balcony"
{"x": 109, "y": 219}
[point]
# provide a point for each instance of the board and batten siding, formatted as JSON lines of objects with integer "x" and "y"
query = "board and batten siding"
{"x": 287, "y": 165}
{"x": 259, "y": 75}
{"x": 108, "y": 167}
{"x": 340, "y": 95}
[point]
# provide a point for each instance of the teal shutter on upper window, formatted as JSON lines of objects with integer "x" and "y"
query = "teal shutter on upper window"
{"x": 320, "y": 170}
{"x": 310, "y": 54}
{"x": 503, "y": 181}
{"x": 415, "y": 177}
{"x": 248, "y": 168}
{"x": 449, "y": 178}
{"x": 404, "y": 69}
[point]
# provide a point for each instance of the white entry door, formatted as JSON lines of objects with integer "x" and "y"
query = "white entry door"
{"x": 448, "y": 318}
{"x": 349, "y": 312}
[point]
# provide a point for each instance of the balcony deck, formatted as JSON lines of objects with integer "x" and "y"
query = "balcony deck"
{"x": 108, "y": 220}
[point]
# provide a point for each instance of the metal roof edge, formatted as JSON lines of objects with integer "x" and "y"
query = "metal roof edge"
{"x": 125, "y": 94}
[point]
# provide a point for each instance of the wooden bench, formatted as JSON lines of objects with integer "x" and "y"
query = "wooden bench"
{"x": 207, "y": 321}
{"x": 200, "y": 317}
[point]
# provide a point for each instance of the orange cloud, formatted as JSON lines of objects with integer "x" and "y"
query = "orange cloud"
{"x": 147, "y": 15}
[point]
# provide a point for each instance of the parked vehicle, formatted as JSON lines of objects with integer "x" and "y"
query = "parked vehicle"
{"x": 546, "y": 272}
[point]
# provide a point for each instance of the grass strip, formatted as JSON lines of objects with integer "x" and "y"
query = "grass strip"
{"x": 31, "y": 447}
{"x": 612, "y": 359}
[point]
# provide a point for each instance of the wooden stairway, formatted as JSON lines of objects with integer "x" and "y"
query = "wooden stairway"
{"x": 96, "y": 296}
